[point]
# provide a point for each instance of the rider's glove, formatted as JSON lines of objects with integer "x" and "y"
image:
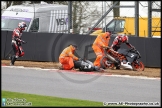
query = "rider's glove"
{"x": 133, "y": 47}
{"x": 24, "y": 42}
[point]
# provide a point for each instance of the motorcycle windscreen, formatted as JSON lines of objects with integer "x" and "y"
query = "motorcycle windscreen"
{"x": 131, "y": 56}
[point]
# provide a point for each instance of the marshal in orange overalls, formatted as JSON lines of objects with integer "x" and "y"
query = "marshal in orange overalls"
{"x": 102, "y": 40}
{"x": 67, "y": 57}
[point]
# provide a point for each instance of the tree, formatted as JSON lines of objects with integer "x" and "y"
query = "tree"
{"x": 81, "y": 13}
{"x": 8, "y": 3}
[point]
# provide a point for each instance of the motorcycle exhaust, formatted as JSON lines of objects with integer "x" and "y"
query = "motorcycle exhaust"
{"x": 111, "y": 58}
{"x": 126, "y": 65}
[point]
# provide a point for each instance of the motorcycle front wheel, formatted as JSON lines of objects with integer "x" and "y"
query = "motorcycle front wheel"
{"x": 104, "y": 63}
{"x": 138, "y": 66}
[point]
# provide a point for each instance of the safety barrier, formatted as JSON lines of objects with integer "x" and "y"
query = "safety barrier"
{"x": 48, "y": 46}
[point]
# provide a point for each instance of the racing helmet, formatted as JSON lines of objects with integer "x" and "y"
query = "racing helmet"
{"x": 124, "y": 38}
{"x": 22, "y": 25}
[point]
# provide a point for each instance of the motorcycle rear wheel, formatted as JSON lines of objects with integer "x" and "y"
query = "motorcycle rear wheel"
{"x": 138, "y": 67}
{"x": 104, "y": 64}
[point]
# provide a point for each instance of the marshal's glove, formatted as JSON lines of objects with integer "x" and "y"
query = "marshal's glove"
{"x": 106, "y": 47}
{"x": 80, "y": 59}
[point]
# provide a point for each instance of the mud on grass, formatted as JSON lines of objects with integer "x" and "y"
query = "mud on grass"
{"x": 148, "y": 72}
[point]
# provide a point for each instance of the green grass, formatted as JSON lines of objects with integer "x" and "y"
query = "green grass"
{"x": 39, "y": 100}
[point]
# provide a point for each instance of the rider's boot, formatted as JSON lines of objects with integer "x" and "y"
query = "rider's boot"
{"x": 117, "y": 65}
{"x": 13, "y": 59}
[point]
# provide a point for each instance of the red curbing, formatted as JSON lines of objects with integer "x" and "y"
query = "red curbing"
{"x": 3, "y": 65}
{"x": 105, "y": 74}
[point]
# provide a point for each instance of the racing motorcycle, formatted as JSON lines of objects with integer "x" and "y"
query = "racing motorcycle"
{"x": 126, "y": 58}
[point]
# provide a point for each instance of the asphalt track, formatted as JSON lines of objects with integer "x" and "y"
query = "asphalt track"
{"x": 82, "y": 85}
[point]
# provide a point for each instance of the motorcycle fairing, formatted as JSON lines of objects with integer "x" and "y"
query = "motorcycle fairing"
{"x": 123, "y": 51}
{"x": 131, "y": 56}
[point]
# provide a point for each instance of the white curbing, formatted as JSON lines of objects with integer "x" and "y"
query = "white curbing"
{"x": 128, "y": 76}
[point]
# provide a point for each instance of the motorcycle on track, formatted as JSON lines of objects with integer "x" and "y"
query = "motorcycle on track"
{"x": 126, "y": 58}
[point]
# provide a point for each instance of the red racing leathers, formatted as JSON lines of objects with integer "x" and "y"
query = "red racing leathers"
{"x": 16, "y": 45}
{"x": 117, "y": 42}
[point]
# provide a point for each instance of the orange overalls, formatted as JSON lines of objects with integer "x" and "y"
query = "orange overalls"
{"x": 67, "y": 58}
{"x": 100, "y": 41}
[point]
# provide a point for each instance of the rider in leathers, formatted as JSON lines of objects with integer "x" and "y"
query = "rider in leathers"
{"x": 117, "y": 42}
{"x": 16, "y": 42}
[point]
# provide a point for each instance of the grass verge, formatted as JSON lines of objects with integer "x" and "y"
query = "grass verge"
{"x": 23, "y": 99}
